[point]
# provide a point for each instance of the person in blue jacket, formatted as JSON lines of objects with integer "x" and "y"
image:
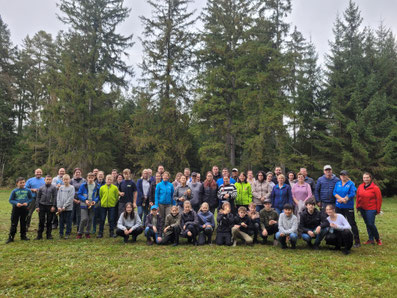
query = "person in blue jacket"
{"x": 324, "y": 192}
{"x": 281, "y": 194}
{"x": 344, "y": 192}
{"x": 34, "y": 185}
{"x": 20, "y": 198}
{"x": 225, "y": 172}
{"x": 164, "y": 197}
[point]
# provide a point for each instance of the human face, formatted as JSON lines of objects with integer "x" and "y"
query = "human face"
{"x": 291, "y": 176}
{"x": 120, "y": 178}
{"x": 241, "y": 177}
{"x": 101, "y": 176}
{"x": 226, "y": 209}
{"x": 194, "y": 178}
{"x": 280, "y": 179}
{"x": 328, "y": 173}
{"x": 344, "y": 178}
{"x": 126, "y": 174}
{"x": 303, "y": 171}
{"x": 329, "y": 211}
{"x": 242, "y": 213}
{"x": 166, "y": 177}
{"x": 186, "y": 208}
{"x": 268, "y": 206}
{"x": 128, "y": 209}
{"x": 114, "y": 174}
{"x": 90, "y": 179}
{"x": 160, "y": 169}
{"x": 260, "y": 177}
{"x": 251, "y": 208}
{"x": 310, "y": 208}
{"x": 210, "y": 177}
{"x": 153, "y": 212}
{"x": 38, "y": 173}
{"x": 21, "y": 184}
{"x": 301, "y": 178}
{"x": 95, "y": 172}
{"x": 225, "y": 172}
{"x": 174, "y": 211}
{"x": 66, "y": 181}
{"x": 77, "y": 174}
{"x": 288, "y": 212}
{"x": 277, "y": 171}
{"x": 226, "y": 180}
{"x": 366, "y": 179}
{"x": 149, "y": 172}
{"x": 198, "y": 177}
{"x": 186, "y": 172}
{"x": 109, "y": 180}
{"x": 61, "y": 172}
{"x": 250, "y": 175}
{"x": 215, "y": 170}
{"x": 145, "y": 174}
{"x": 158, "y": 177}
{"x": 204, "y": 208}
{"x": 183, "y": 180}
{"x": 269, "y": 177}
{"x": 48, "y": 180}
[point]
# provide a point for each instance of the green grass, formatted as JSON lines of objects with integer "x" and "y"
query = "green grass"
{"x": 99, "y": 267}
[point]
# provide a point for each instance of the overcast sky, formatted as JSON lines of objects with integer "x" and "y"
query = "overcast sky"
{"x": 314, "y": 18}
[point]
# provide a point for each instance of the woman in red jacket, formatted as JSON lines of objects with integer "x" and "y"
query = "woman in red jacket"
{"x": 369, "y": 202}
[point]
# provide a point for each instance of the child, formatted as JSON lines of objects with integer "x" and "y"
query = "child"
{"x": 287, "y": 227}
{"x": 108, "y": 195}
{"x": 225, "y": 222}
{"x": 19, "y": 199}
{"x": 242, "y": 227}
{"x": 65, "y": 206}
{"x": 207, "y": 224}
{"x": 268, "y": 218}
{"x": 46, "y": 203}
{"x": 129, "y": 222}
{"x": 256, "y": 223}
{"x": 88, "y": 195}
{"x": 172, "y": 227}
{"x": 189, "y": 223}
{"x": 153, "y": 226}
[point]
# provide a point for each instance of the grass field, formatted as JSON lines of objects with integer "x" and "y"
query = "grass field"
{"x": 99, "y": 267}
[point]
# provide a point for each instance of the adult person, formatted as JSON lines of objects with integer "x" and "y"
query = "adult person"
{"x": 308, "y": 180}
{"x": 150, "y": 175}
{"x": 291, "y": 179}
{"x": 244, "y": 192}
{"x": 57, "y": 181}
{"x": 235, "y": 174}
{"x": 95, "y": 172}
{"x": 142, "y": 201}
{"x": 301, "y": 192}
{"x": 324, "y": 192}
{"x": 164, "y": 196}
{"x": 153, "y": 185}
{"x": 340, "y": 230}
{"x": 76, "y": 182}
{"x": 210, "y": 190}
{"x": 261, "y": 190}
{"x": 369, "y": 203}
{"x": 100, "y": 181}
{"x": 33, "y": 184}
{"x": 128, "y": 193}
{"x": 161, "y": 170}
{"x": 198, "y": 177}
{"x": 281, "y": 194}
{"x": 182, "y": 193}
{"x": 177, "y": 180}
{"x": 227, "y": 192}
{"x": 186, "y": 173}
{"x": 250, "y": 177}
{"x": 215, "y": 173}
{"x": 344, "y": 192}
{"x": 197, "y": 192}
{"x": 114, "y": 176}
{"x": 225, "y": 172}
{"x": 269, "y": 178}
{"x": 278, "y": 171}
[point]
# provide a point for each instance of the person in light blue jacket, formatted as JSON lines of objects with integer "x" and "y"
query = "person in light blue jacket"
{"x": 344, "y": 192}
{"x": 164, "y": 197}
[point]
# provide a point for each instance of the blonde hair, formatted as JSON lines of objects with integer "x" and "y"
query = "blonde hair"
{"x": 65, "y": 176}
{"x": 205, "y": 204}
{"x": 109, "y": 176}
{"x": 126, "y": 171}
{"x": 187, "y": 203}
{"x": 282, "y": 176}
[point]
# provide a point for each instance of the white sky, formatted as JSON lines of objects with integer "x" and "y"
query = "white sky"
{"x": 314, "y": 18}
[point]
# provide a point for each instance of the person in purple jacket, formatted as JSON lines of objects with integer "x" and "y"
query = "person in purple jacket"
{"x": 281, "y": 194}
{"x": 206, "y": 224}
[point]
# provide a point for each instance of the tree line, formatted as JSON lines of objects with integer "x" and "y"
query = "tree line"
{"x": 236, "y": 86}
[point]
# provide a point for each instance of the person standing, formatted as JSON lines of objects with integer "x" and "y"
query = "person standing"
{"x": 301, "y": 192}
{"x": 369, "y": 203}
{"x": 142, "y": 201}
{"x": 261, "y": 191}
{"x": 344, "y": 192}
{"x": 57, "y": 181}
{"x": 128, "y": 193}
{"x": 108, "y": 195}
{"x": 33, "y": 184}
{"x": 227, "y": 192}
{"x": 308, "y": 180}
{"x": 65, "y": 198}
{"x": 46, "y": 204}
{"x": 244, "y": 191}
{"x": 197, "y": 191}
{"x": 100, "y": 181}
{"x": 76, "y": 182}
{"x": 324, "y": 192}
{"x": 210, "y": 190}
{"x": 215, "y": 173}
{"x": 278, "y": 171}
{"x": 281, "y": 195}
{"x": 225, "y": 172}
{"x": 250, "y": 177}
{"x": 164, "y": 197}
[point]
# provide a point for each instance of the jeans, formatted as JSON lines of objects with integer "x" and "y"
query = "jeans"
{"x": 369, "y": 219}
{"x": 143, "y": 211}
{"x": 318, "y": 237}
{"x": 110, "y": 212}
{"x": 259, "y": 207}
{"x": 293, "y": 239}
{"x": 149, "y": 233}
{"x": 97, "y": 218}
{"x": 65, "y": 217}
{"x": 279, "y": 211}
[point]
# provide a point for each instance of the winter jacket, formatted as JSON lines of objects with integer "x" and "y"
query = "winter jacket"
{"x": 172, "y": 221}
{"x": 197, "y": 193}
{"x": 325, "y": 189}
{"x": 369, "y": 198}
{"x": 108, "y": 194}
{"x": 77, "y": 183}
{"x": 141, "y": 197}
{"x": 309, "y": 222}
{"x": 225, "y": 222}
{"x": 128, "y": 187}
{"x": 164, "y": 193}
{"x": 266, "y": 216}
{"x": 83, "y": 194}
{"x": 128, "y": 223}
{"x": 210, "y": 193}
{"x": 247, "y": 220}
{"x": 244, "y": 193}
{"x": 281, "y": 196}
{"x": 20, "y": 195}
{"x": 206, "y": 218}
{"x": 349, "y": 189}
{"x": 260, "y": 190}
{"x": 149, "y": 222}
{"x": 65, "y": 197}
{"x": 47, "y": 195}
{"x": 189, "y": 218}
{"x": 287, "y": 225}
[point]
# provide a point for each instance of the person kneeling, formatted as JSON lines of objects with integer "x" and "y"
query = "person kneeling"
{"x": 340, "y": 230}
{"x": 129, "y": 224}
{"x": 153, "y": 226}
{"x": 189, "y": 223}
{"x": 242, "y": 227}
{"x": 313, "y": 224}
{"x": 172, "y": 227}
{"x": 207, "y": 224}
{"x": 225, "y": 222}
{"x": 287, "y": 227}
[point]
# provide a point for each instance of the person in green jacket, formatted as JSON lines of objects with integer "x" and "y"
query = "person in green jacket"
{"x": 108, "y": 195}
{"x": 244, "y": 191}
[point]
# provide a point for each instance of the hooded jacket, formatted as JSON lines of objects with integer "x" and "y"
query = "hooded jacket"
{"x": 82, "y": 195}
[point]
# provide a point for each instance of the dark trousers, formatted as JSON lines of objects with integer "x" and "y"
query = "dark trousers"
{"x": 190, "y": 228}
{"x": 349, "y": 214}
{"x": 344, "y": 238}
{"x": 133, "y": 234}
{"x": 18, "y": 214}
{"x": 257, "y": 228}
{"x": 172, "y": 237}
{"x": 65, "y": 218}
{"x": 110, "y": 213}
{"x": 97, "y": 218}
{"x": 45, "y": 219}
{"x": 369, "y": 219}
{"x": 31, "y": 209}
{"x": 271, "y": 230}
{"x": 224, "y": 238}
{"x": 76, "y": 215}
{"x": 205, "y": 235}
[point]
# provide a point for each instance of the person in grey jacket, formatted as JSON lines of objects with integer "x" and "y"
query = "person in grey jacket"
{"x": 46, "y": 203}
{"x": 287, "y": 227}
{"x": 197, "y": 192}
{"x": 129, "y": 223}
{"x": 65, "y": 199}
{"x": 182, "y": 193}
{"x": 261, "y": 190}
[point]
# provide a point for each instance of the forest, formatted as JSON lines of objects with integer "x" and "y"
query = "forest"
{"x": 244, "y": 89}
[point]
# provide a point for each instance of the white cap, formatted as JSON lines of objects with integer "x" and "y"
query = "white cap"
{"x": 327, "y": 167}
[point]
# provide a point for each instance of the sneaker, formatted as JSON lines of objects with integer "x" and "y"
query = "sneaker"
{"x": 235, "y": 243}
{"x": 87, "y": 236}
{"x": 79, "y": 236}
{"x": 66, "y": 237}
{"x": 379, "y": 242}
{"x": 60, "y": 237}
{"x": 369, "y": 242}
{"x": 9, "y": 240}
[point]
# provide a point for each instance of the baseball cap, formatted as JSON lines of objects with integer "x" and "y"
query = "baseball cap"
{"x": 327, "y": 167}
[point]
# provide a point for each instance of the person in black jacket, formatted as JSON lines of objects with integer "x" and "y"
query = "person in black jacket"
{"x": 152, "y": 191}
{"x": 189, "y": 223}
{"x": 242, "y": 227}
{"x": 313, "y": 224}
{"x": 153, "y": 228}
{"x": 225, "y": 221}
{"x": 46, "y": 203}
{"x": 210, "y": 192}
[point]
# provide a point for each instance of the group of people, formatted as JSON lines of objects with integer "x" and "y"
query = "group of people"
{"x": 247, "y": 208}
